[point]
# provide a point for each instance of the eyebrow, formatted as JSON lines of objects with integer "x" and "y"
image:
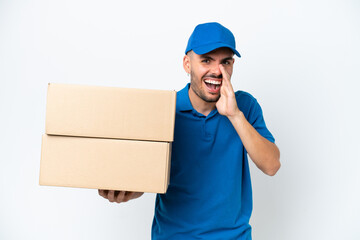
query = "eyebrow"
{"x": 227, "y": 59}
{"x": 210, "y": 58}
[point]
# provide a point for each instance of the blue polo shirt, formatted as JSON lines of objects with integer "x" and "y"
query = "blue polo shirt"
{"x": 209, "y": 195}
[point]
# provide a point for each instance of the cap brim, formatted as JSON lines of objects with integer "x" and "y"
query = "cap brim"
{"x": 211, "y": 47}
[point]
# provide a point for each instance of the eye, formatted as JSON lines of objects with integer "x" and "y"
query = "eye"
{"x": 205, "y": 61}
{"x": 226, "y": 63}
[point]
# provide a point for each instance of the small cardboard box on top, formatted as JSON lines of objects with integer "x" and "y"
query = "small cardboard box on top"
{"x": 108, "y": 138}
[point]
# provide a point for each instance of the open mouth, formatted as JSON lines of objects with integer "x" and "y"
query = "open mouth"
{"x": 213, "y": 85}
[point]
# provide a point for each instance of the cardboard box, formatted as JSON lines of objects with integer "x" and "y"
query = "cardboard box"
{"x": 113, "y": 164}
{"x": 108, "y": 138}
{"x": 110, "y": 112}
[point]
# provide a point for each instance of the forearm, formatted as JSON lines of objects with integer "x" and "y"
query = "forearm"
{"x": 262, "y": 152}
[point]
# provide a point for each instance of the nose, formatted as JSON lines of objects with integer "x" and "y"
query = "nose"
{"x": 215, "y": 70}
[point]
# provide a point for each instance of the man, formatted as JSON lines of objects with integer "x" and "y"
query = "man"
{"x": 210, "y": 196}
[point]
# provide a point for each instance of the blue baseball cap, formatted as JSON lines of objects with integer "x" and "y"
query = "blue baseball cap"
{"x": 207, "y": 37}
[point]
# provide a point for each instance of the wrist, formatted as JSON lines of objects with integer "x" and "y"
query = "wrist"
{"x": 237, "y": 115}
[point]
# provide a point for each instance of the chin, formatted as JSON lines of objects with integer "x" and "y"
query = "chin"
{"x": 211, "y": 98}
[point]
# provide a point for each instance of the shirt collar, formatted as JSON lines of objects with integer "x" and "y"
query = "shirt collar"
{"x": 183, "y": 100}
{"x": 183, "y": 103}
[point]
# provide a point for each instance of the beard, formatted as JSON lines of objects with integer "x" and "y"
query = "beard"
{"x": 196, "y": 85}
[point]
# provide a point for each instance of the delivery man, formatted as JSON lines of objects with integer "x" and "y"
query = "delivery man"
{"x": 210, "y": 195}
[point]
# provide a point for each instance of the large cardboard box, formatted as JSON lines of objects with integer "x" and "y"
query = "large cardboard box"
{"x": 110, "y": 112}
{"x": 108, "y": 138}
{"x": 114, "y": 164}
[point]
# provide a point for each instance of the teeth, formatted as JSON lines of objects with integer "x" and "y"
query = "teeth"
{"x": 213, "y": 82}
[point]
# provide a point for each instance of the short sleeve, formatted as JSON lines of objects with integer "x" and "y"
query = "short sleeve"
{"x": 256, "y": 119}
{"x": 253, "y": 113}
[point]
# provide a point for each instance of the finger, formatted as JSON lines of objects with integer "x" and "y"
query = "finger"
{"x": 225, "y": 85}
{"x": 128, "y": 196}
{"x": 226, "y": 79}
{"x": 225, "y": 74}
{"x": 120, "y": 197}
{"x": 137, "y": 194}
{"x": 111, "y": 196}
{"x": 222, "y": 89}
{"x": 103, "y": 193}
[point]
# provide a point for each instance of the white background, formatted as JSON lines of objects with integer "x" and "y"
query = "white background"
{"x": 300, "y": 59}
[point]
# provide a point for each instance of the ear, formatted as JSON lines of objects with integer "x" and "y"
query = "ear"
{"x": 186, "y": 64}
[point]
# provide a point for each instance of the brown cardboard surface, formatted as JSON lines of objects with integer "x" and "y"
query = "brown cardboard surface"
{"x": 113, "y": 164}
{"x": 110, "y": 112}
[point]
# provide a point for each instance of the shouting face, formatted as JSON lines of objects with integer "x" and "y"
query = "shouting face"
{"x": 206, "y": 77}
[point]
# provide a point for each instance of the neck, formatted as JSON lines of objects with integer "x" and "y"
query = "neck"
{"x": 200, "y": 105}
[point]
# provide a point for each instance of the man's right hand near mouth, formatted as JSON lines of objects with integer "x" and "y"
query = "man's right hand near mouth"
{"x": 119, "y": 196}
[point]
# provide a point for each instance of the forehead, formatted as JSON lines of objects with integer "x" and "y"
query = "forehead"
{"x": 220, "y": 53}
